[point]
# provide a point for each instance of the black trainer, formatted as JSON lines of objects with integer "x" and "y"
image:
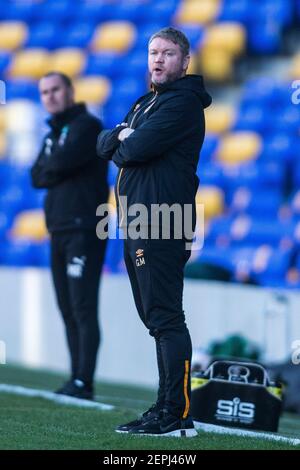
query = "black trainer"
{"x": 149, "y": 415}
{"x": 166, "y": 424}
{"x": 76, "y": 388}
{"x": 64, "y": 387}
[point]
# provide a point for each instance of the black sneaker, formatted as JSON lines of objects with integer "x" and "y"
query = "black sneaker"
{"x": 77, "y": 389}
{"x": 149, "y": 415}
{"x": 65, "y": 386}
{"x": 166, "y": 425}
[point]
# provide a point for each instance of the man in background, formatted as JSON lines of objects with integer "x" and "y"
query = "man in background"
{"x": 157, "y": 150}
{"x": 76, "y": 180}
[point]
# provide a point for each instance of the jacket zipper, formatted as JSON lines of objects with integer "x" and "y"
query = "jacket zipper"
{"x": 149, "y": 105}
{"x": 118, "y": 195}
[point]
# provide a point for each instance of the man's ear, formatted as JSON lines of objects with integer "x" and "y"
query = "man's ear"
{"x": 186, "y": 61}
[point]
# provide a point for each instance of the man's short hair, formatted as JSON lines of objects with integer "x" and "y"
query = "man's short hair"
{"x": 66, "y": 80}
{"x": 174, "y": 35}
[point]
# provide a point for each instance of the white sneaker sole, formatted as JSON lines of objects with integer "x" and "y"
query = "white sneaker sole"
{"x": 177, "y": 433}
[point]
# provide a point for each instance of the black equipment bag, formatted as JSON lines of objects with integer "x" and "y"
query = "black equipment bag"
{"x": 236, "y": 394}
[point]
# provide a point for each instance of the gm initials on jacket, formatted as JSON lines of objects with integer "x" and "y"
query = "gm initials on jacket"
{"x": 140, "y": 260}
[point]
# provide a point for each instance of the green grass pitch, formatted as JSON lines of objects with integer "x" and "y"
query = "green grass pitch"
{"x": 36, "y": 423}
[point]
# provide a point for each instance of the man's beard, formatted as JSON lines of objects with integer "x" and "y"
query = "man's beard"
{"x": 170, "y": 78}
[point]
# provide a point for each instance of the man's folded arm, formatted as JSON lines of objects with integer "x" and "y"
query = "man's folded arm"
{"x": 166, "y": 127}
{"x": 108, "y": 142}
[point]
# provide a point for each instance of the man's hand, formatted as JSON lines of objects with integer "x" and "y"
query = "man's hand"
{"x": 125, "y": 133}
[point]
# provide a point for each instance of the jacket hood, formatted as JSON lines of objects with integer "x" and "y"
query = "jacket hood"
{"x": 194, "y": 83}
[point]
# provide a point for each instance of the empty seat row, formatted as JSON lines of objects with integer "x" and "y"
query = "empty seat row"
{"x": 115, "y": 36}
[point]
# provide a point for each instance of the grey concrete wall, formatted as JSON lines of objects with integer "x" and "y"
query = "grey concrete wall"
{"x": 31, "y": 327}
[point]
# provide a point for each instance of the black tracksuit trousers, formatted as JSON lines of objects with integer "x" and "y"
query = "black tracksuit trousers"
{"x": 155, "y": 269}
{"x": 76, "y": 262}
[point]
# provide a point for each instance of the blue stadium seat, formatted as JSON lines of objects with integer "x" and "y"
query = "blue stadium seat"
{"x": 254, "y": 175}
{"x": 144, "y": 33}
{"x": 279, "y": 147}
{"x": 136, "y": 12}
{"x": 210, "y": 174}
{"x": 114, "y": 255}
{"x": 297, "y": 4}
{"x": 128, "y": 89}
{"x": 264, "y": 36}
{"x": 78, "y": 34}
{"x": 12, "y": 200}
{"x": 220, "y": 258}
{"x": 297, "y": 260}
{"x": 296, "y": 234}
{"x": 94, "y": 11}
{"x": 257, "y": 91}
{"x": 20, "y": 88}
{"x": 236, "y": 10}
{"x": 19, "y": 175}
{"x": 114, "y": 113}
{"x": 137, "y": 62}
{"x": 277, "y": 11}
{"x": 46, "y": 35}
{"x": 296, "y": 173}
{"x": 242, "y": 260}
{"x": 273, "y": 273}
{"x": 20, "y": 11}
{"x": 4, "y": 61}
{"x": 5, "y": 171}
{"x": 259, "y": 204}
{"x": 280, "y": 95}
{"x": 264, "y": 20}
{"x": 286, "y": 120}
{"x": 112, "y": 173}
{"x": 41, "y": 254}
{"x": 34, "y": 199}
{"x": 218, "y": 232}
{"x": 209, "y": 147}
{"x": 195, "y": 35}
{"x": 294, "y": 203}
{"x": 270, "y": 174}
{"x": 261, "y": 265}
{"x": 106, "y": 64}
{"x": 247, "y": 231}
{"x": 16, "y": 190}
{"x": 162, "y": 11}
{"x": 55, "y": 11}
{"x": 19, "y": 254}
{"x": 260, "y": 232}
{"x": 251, "y": 118}
{"x": 6, "y": 220}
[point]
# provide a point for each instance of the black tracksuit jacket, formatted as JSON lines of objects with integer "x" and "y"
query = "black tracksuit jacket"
{"x": 158, "y": 162}
{"x": 69, "y": 168}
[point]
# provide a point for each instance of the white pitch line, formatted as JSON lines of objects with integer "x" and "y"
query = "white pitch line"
{"x": 61, "y": 399}
{"x": 212, "y": 428}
